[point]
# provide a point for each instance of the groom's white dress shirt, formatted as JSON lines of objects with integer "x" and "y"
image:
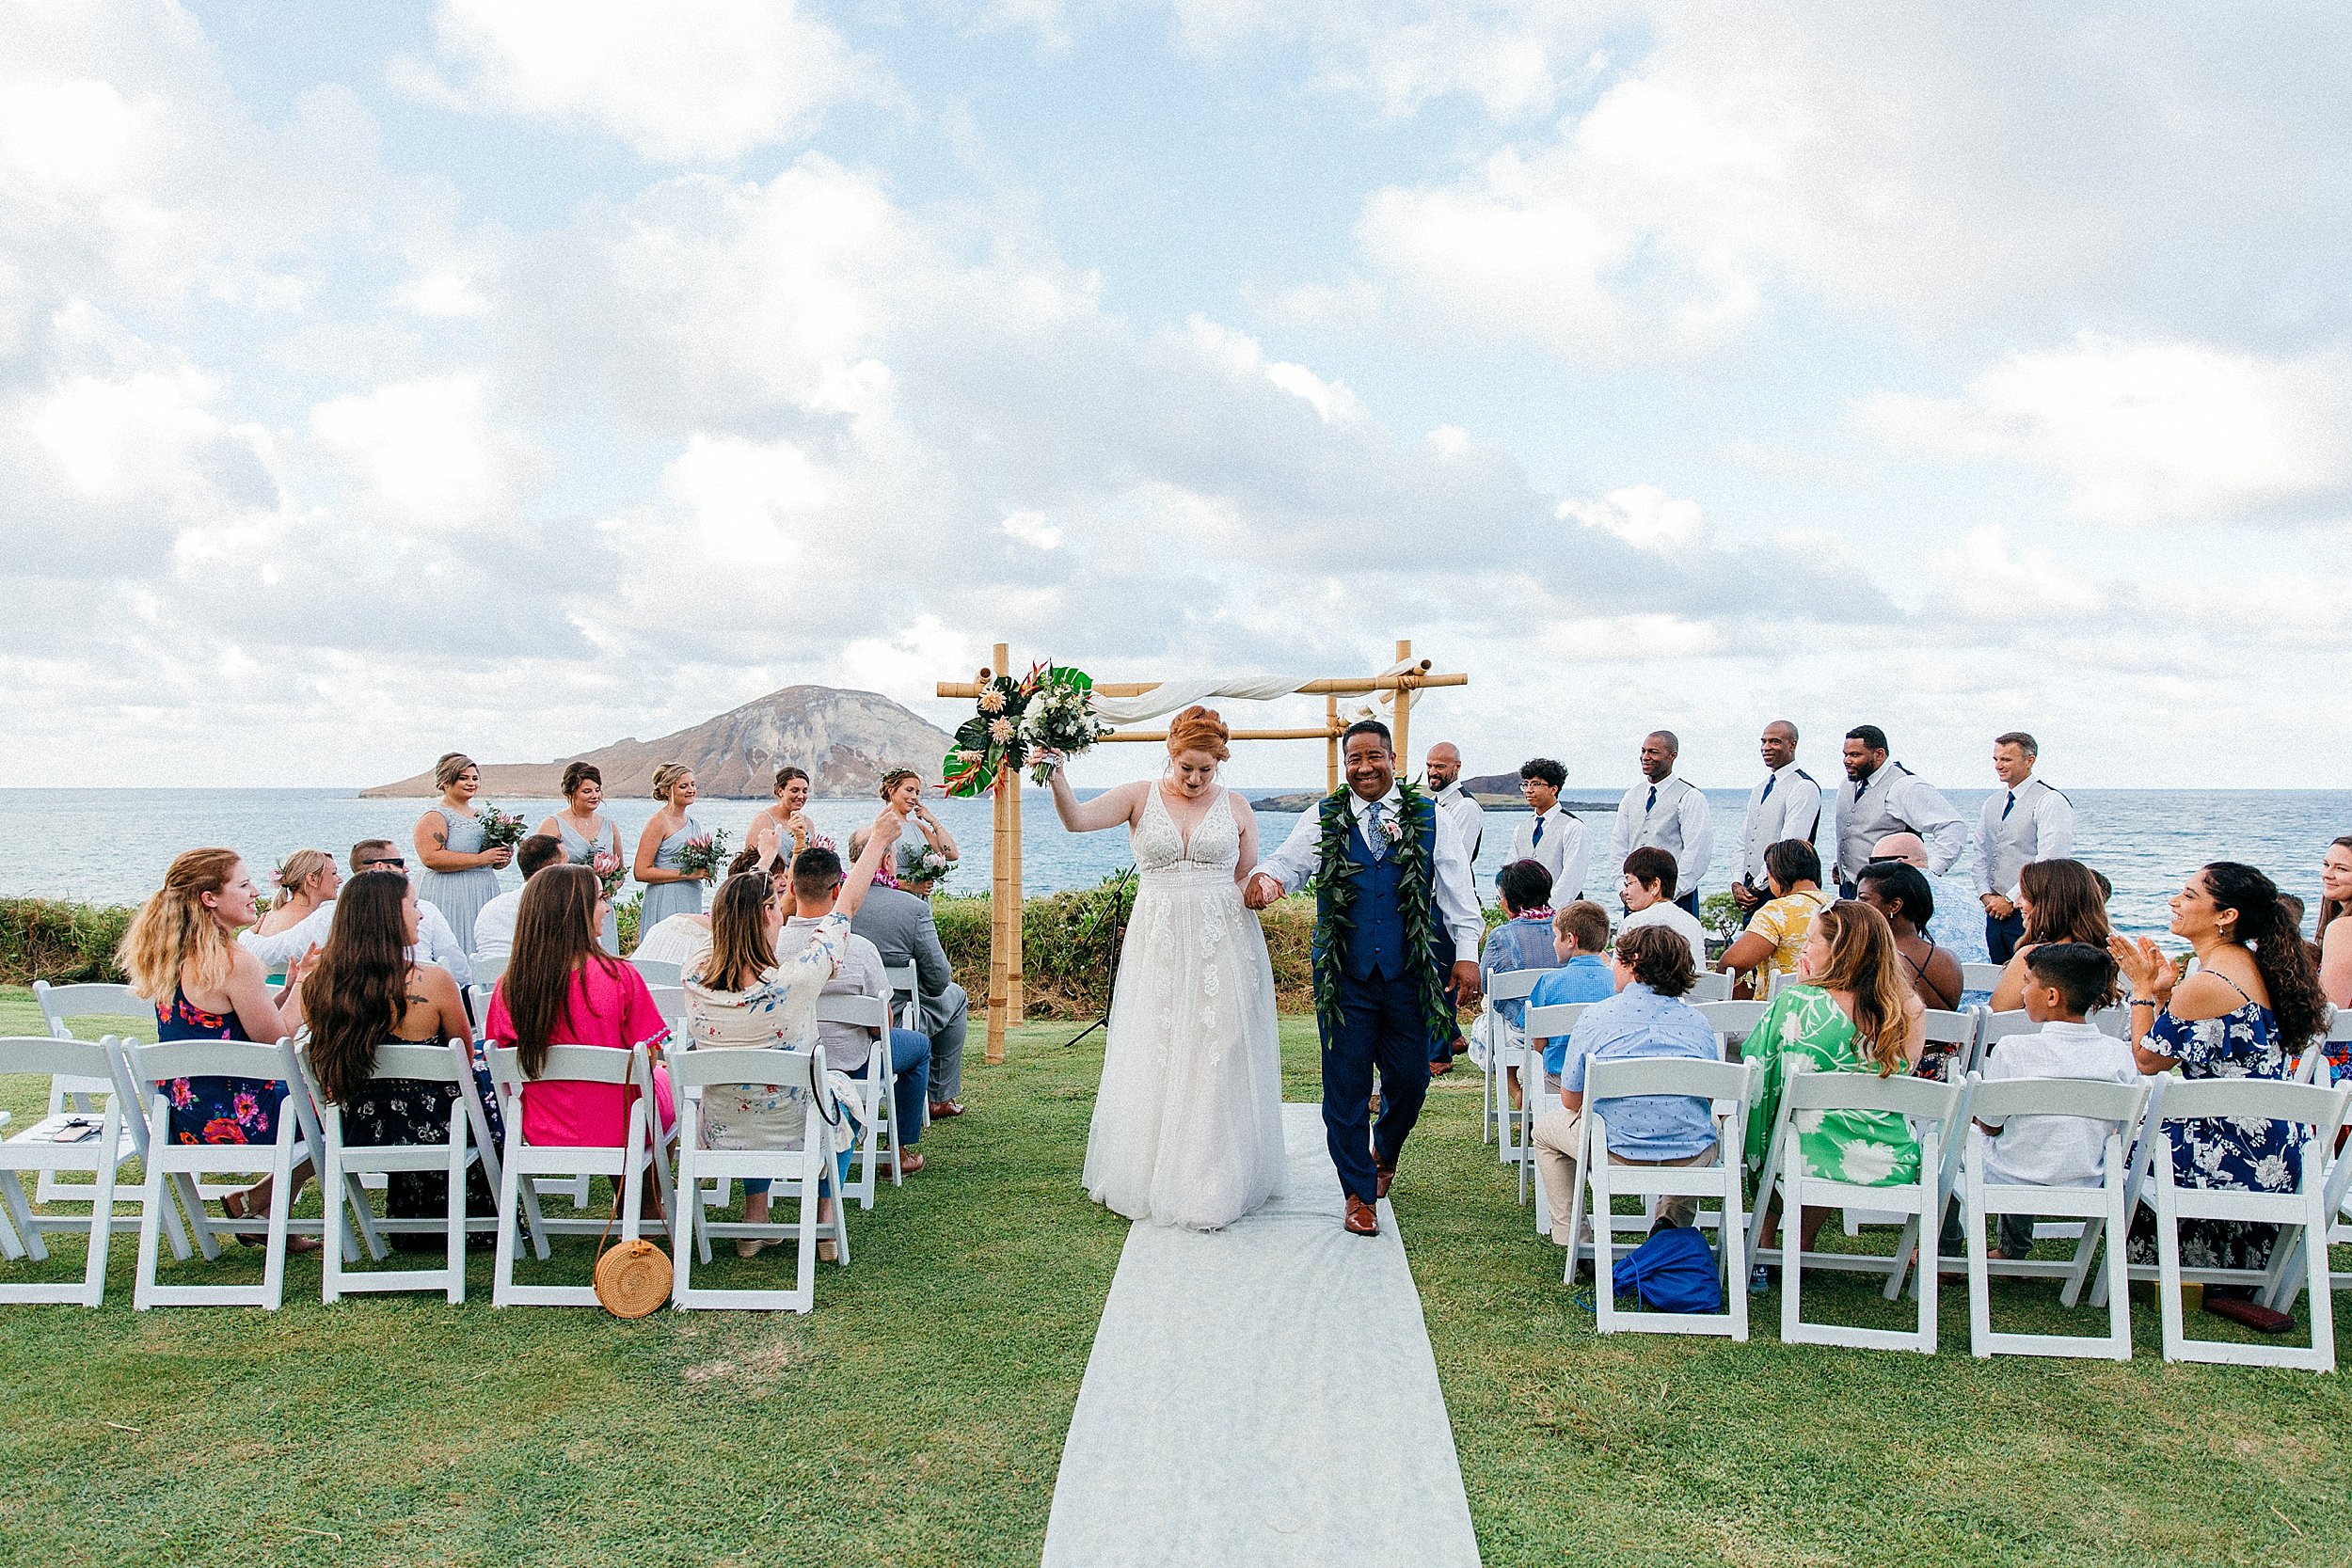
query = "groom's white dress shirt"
{"x": 1458, "y": 903}
{"x": 1555, "y": 841}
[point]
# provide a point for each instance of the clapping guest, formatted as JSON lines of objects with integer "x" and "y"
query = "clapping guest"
{"x": 494, "y": 928}
{"x": 669, "y": 889}
{"x": 1552, "y": 838}
{"x": 459, "y": 875}
{"x": 366, "y": 991}
{"x": 2335, "y": 922}
{"x": 794, "y": 832}
{"x": 588, "y": 839}
{"x": 1776, "y": 933}
{"x": 306, "y": 883}
{"x": 435, "y": 943}
{"x": 902, "y": 793}
{"x": 2061, "y": 901}
{"x": 1647, "y": 889}
{"x": 816, "y": 895}
{"x": 2252, "y": 1004}
{"x": 180, "y": 955}
{"x": 1667, "y": 812}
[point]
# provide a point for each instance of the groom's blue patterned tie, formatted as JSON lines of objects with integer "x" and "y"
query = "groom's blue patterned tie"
{"x": 1372, "y": 837}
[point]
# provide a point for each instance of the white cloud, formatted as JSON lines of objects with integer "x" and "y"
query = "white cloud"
{"x": 1642, "y": 515}
{"x": 429, "y": 453}
{"x": 1033, "y": 528}
{"x": 681, "y": 82}
{"x": 1990, "y": 579}
{"x": 2148, "y": 432}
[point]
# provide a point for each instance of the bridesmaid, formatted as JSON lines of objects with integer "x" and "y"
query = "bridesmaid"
{"x": 459, "y": 875}
{"x": 788, "y": 820}
{"x": 588, "y": 838}
{"x": 902, "y": 792}
{"x": 668, "y": 890}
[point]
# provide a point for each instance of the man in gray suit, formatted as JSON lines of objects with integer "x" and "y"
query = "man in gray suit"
{"x": 900, "y": 926}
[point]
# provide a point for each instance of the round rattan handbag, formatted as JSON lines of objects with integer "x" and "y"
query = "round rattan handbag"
{"x": 633, "y": 1279}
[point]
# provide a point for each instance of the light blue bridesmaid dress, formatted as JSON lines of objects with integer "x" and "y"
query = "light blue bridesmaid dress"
{"x": 664, "y": 900}
{"x": 583, "y": 851}
{"x": 460, "y": 894}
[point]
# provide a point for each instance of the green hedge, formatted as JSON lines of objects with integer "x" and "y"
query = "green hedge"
{"x": 49, "y": 939}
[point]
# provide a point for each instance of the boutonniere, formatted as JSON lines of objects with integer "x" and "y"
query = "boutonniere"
{"x": 1393, "y": 827}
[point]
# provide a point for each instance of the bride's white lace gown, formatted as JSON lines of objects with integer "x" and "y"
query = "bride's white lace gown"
{"x": 1188, "y": 1125}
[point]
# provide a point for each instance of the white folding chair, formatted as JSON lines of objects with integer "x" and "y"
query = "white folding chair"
{"x": 1934, "y": 1111}
{"x": 91, "y": 1142}
{"x": 524, "y": 1164}
{"x": 1997, "y": 1027}
{"x": 657, "y": 973}
{"x": 1494, "y": 1044}
{"x": 1725, "y": 1086}
{"x": 488, "y": 973}
{"x": 1957, "y": 1032}
{"x": 1732, "y": 1022}
{"x": 879, "y": 1142}
{"x": 2316, "y": 1115}
{"x": 2006, "y": 1101}
{"x": 803, "y": 1173}
{"x": 1544, "y": 1024}
{"x": 448, "y": 1063}
{"x": 1713, "y": 985}
{"x": 906, "y": 994}
{"x": 73, "y": 1094}
{"x": 1981, "y": 977}
{"x": 670, "y": 1001}
{"x": 178, "y": 1165}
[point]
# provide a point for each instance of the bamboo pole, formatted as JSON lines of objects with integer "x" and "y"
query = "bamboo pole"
{"x": 1405, "y": 706}
{"x": 1000, "y": 902}
{"x": 1013, "y": 944}
{"x": 1331, "y": 744}
{"x": 1343, "y": 685}
{"x": 1320, "y": 732}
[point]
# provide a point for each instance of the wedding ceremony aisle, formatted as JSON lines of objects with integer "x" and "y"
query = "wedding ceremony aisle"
{"x": 1263, "y": 1394}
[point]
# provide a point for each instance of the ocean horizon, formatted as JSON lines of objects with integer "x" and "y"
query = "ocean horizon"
{"x": 108, "y": 846}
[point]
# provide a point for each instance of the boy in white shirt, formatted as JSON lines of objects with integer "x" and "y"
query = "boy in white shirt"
{"x": 2064, "y": 982}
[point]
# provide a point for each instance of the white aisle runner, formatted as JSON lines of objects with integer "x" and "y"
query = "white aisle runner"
{"x": 1262, "y": 1395}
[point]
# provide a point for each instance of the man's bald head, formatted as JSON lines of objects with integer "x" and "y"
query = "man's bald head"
{"x": 1443, "y": 764}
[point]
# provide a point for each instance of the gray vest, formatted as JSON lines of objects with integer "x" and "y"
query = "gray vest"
{"x": 2009, "y": 841}
{"x": 1863, "y": 818}
{"x": 1662, "y": 825}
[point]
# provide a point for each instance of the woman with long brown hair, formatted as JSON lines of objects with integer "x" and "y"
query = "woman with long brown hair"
{"x": 1853, "y": 1009}
{"x": 2061, "y": 901}
{"x": 180, "y": 954}
{"x": 364, "y": 992}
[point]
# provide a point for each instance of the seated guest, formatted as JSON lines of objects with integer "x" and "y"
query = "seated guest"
{"x": 1851, "y": 1010}
{"x": 437, "y": 944}
{"x": 1580, "y": 937}
{"x": 2251, "y": 1006}
{"x": 306, "y": 883}
{"x": 741, "y": 996}
{"x": 2061, "y": 901}
{"x": 1524, "y": 939}
{"x": 899, "y": 922}
{"x": 818, "y": 890}
{"x": 1902, "y": 893}
{"x": 494, "y": 928}
{"x": 2334, "y": 929}
{"x": 1650, "y": 968}
{"x": 364, "y": 992}
{"x": 1905, "y": 848}
{"x": 562, "y": 988}
{"x": 1792, "y": 869}
{"x": 178, "y": 955}
{"x": 2065, "y": 981}
{"x": 1648, "y": 891}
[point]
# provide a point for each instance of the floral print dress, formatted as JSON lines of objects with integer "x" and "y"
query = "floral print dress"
{"x": 2239, "y": 1153}
{"x": 216, "y": 1110}
{"x": 415, "y": 1111}
{"x": 1871, "y": 1149}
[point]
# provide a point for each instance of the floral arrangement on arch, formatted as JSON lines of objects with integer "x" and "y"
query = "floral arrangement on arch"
{"x": 1049, "y": 709}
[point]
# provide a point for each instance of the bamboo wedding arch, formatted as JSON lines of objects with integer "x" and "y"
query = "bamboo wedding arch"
{"x": 1394, "y": 687}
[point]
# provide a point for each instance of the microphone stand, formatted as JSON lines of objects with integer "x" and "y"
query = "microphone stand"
{"x": 1112, "y": 913}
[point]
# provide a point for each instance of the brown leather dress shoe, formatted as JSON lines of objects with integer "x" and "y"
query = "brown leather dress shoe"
{"x": 1382, "y": 1175}
{"x": 1362, "y": 1218}
{"x": 943, "y": 1109}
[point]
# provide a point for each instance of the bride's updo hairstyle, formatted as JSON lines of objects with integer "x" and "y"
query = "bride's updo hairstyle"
{"x": 1198, "y": 729}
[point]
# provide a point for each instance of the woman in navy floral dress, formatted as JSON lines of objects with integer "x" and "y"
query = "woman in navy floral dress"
{"x": 2251, "y": 1004}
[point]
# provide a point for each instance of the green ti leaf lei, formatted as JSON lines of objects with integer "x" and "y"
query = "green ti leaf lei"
{"x": 1335, "y": 881}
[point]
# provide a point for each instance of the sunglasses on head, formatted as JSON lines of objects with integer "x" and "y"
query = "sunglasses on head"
{"x": 392, "y": 862}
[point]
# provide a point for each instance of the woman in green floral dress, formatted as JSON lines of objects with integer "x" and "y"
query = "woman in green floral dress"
{"x": 1854, "y": 1010}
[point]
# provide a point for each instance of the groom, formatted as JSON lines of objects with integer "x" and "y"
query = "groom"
{"x": 1394, "y": 908}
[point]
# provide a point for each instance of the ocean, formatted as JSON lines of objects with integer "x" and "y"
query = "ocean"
{"x": 111, "y": 846}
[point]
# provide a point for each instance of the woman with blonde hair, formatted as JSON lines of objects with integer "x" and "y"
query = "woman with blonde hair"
{"x": 1187, "y": 1125}
{"x": 180, "y": 954}
{"x": 669, "y": 889}
{"x": 459, "y": 875}
{"x": 307, "y": 880}
{"x": 1852, "y": 1009}
{"x": 588, "y": 838}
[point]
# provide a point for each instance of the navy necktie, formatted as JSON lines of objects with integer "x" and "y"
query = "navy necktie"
{"x": 1539, "y": 832}
{"x": 1653, "y": 802}
{"x": 2010, "y": 807}
{"x": 1770, "y": 779}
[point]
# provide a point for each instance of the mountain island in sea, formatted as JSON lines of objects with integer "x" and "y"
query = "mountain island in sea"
{"x": 847, "y": 741}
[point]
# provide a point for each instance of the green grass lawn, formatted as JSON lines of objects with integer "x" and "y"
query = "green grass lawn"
{"x": 917, "y": 1416}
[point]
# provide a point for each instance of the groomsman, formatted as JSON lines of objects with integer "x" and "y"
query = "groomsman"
{"x": 1442, "y": 769}
{"x": 1881, "y": 797}
{"x": 1552, "y": 838}
{"x": 1668, "y": 813}
{"x": 1787, "y": 804}
{"x": 2030, "y": 821}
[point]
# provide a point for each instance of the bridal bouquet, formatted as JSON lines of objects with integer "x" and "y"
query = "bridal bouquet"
{"x": 501, "y": 829}
{"x": 704, "y": 854}
{"x": 1051, "y": 708}
{"x": 922, "y": 862}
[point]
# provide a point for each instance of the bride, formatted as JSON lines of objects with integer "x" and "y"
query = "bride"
{"x": 1188, "y": 1124}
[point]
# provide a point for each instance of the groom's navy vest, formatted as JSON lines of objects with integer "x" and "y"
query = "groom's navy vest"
{"x": 1374, "y": 943}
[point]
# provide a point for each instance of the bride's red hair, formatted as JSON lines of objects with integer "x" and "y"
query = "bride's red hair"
{"x": 1198, "y": 729}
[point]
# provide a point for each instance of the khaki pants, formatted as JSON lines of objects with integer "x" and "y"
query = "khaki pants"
{"x": 1555, "y": 1139}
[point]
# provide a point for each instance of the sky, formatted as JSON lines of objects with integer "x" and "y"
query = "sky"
{"x": 510, "y": 376}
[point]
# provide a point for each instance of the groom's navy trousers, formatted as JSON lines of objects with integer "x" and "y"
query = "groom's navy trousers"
{"x": 1384, "y": 1024}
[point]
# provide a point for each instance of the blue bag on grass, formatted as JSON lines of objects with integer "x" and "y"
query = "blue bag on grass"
{"x": 1673, "y": 1272}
